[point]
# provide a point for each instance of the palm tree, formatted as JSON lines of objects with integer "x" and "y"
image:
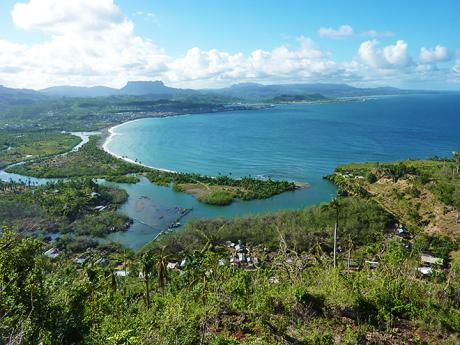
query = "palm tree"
{"x": 335, "y": 205}
{"x": 147, "y": 266}
{"x": 161, "y": 266}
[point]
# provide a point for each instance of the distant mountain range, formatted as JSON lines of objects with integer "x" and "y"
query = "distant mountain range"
{"x": 243, "y": 91}
{"x": 259, "y": 91}
{"x": 18, "y": 96}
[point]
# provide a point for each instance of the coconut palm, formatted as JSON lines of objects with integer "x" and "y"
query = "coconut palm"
{"x": 334, "y": 205}
{"x": 161, "y": 267}
{"x": 147, "y": 267}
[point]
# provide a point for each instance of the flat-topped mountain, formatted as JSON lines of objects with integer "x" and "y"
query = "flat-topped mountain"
{"x": 132, "y": 88}
{"x": 146, "y": 88}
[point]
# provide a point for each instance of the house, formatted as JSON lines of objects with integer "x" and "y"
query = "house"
{"x": 351, "y": 265}
{"x": 80, "y": 260}
{"x": 229, "y": 244}
{"x": 121, "y": 273}
{"x": 425, "y": 270}
{"x": 429, "y": 263}
{"x": 371, "y": 264}
{"x": 103, "y": 261}
{"x": 428, "y": 259}
{"x": 172, "y": 265}
{"x": 52, "y": 253}
{"x": 402, "y": 232}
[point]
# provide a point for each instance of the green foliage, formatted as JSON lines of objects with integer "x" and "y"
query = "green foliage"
{"x": 123, "y": 179}
{"x": 90, "y": 161}
{"x": 371, "y": 177}
{"x": 213, "y": 304}
{"x": 22, "y": 294}
{"x": 361, "y": 219}
{"x": 99, "y": 224}
{"x": 217, "y": 197}
{"x": 246, "y": 188}
{"x": 78, "y": 206}
{"x": 20, "y": 146}
{"x": 93, "y": 113}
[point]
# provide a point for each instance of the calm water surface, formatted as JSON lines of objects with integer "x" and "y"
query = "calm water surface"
{"x": 300, "y": 142}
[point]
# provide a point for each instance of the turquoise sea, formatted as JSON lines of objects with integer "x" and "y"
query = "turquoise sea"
{"x": 299, "y": 142}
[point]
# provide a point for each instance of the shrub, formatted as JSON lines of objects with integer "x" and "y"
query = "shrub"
{"x": 217, "y": 197}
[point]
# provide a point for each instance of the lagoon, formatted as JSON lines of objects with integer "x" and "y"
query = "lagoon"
{"x": 298, "y": 142}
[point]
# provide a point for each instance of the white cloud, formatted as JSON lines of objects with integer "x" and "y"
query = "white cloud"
{"x": 61, "y": 17}
{"x": 374, "y": 33}
{"x": 456, "y": 67}
{"x": 148, "y": 15}
{"x": 342, "y": 32}
{"x": 391, "y": 56}
{"x": 211, "y": 67}
{"x": 346, "y": 31}
{"x": 437, "y": 54}
{"x": 92, "y": 43}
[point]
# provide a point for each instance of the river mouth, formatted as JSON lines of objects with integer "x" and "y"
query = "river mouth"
{"x": 295, "y": 142}
{"x": 154, "y": 209}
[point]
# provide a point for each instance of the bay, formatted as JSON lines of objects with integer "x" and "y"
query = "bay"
{"x": 298, "y": 142}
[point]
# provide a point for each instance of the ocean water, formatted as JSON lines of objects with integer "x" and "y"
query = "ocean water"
{"x": 299, "y": 142}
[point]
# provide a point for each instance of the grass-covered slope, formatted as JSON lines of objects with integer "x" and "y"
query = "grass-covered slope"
{"x": 291, "y": 294}
{"x": 422, "y": 193}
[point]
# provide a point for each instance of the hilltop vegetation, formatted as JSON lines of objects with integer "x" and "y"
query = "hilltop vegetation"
{"x": 424, "y": 194}
{"x": 291, "y": 294}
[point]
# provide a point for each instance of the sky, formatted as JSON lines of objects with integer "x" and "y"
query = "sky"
{"x": 209, "y": 43}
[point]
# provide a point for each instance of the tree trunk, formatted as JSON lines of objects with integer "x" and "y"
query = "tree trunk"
{"x": 335, "y": 244}
{"x": 147, "y": 289}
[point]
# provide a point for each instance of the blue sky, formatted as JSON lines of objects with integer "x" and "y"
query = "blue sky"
{"x": 216, "y": 43}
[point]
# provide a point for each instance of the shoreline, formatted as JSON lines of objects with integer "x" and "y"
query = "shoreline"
{"x": 108, "y": 133}
{"x": 106, "y": 136}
